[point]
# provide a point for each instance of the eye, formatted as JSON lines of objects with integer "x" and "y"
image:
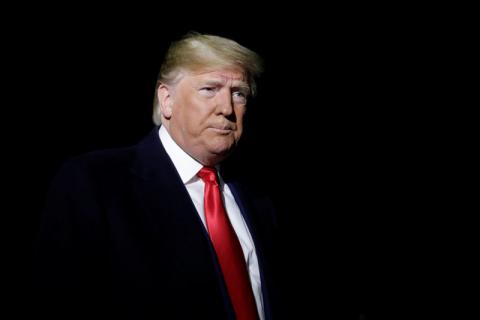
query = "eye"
{"x": 208, "y": 91}
{"x": 240, "y": 96}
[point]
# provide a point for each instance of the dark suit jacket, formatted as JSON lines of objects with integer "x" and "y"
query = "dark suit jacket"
{"x": 121, "y": 238}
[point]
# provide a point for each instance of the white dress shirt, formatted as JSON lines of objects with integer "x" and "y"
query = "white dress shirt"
{"x": 188, "y": 168}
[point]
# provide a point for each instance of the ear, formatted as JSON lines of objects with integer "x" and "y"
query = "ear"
{"x": 165, "y": 99}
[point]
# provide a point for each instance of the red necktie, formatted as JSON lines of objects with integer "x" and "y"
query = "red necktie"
{"x": 228, "y": 249}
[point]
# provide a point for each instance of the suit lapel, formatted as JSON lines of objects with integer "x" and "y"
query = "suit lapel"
{"x": 172, "y": 222}
{"x": 160, "y": 189}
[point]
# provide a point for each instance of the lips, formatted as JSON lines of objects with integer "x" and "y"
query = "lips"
{"x": 227, "y": 127}
{"x": 222, "y": 131}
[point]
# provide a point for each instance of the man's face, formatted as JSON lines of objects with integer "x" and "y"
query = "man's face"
{"x": 205, "y": 113}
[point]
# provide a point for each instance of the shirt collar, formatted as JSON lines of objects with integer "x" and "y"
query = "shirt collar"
{"x": 186, "y": 166}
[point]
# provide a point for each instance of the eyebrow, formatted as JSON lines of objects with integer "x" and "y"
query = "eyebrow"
{"x": 218, "y": 83}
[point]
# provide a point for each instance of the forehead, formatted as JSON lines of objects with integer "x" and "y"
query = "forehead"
{"x": 222, "y": 76}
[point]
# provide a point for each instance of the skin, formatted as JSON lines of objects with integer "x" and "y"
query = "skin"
{"x": 204, "y": 112}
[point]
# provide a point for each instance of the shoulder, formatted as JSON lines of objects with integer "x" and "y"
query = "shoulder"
{"x": 114, "y": 162}
{"x": 95, "y": 167}
{"x": 101, "y": 161}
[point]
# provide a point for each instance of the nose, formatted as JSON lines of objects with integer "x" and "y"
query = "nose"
{"x": 225, "y": 103}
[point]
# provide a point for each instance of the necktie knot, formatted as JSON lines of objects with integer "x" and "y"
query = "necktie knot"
{"x": 208, "y": 175}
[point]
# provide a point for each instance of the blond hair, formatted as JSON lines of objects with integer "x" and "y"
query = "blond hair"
{"x": 196, "y": 52}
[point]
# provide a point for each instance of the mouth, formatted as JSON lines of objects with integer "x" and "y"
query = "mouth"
{"x": 223, "y": 127}
{"x": 222, "y": 130}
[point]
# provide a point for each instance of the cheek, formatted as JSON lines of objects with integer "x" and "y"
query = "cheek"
{"x": 193, "y": 117}
{"x": 240, "y": 118}
{"x": 240, "y": 112}
{"x": 240, "y": 126}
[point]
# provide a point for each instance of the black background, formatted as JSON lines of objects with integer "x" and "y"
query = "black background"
{"x": 337, "y": 135}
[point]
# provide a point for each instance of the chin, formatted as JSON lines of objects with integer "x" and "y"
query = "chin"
{"x": 222, "y": 151}
{"x": 221, "y": 144}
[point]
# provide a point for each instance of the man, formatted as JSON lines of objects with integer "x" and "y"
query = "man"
{"x": 157, "y": 230}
